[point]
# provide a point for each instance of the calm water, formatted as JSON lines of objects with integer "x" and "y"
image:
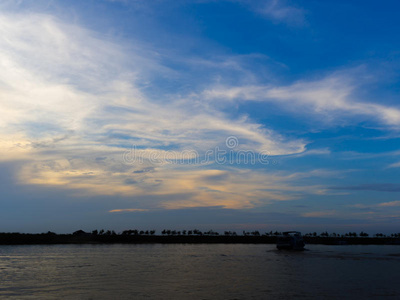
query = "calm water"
{"x": 198, "y": 272}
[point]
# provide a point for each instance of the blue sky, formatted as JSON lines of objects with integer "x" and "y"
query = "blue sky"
{"x": 223, "y": 115}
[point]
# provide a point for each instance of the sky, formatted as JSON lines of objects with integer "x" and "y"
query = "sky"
{"x": 223, "y": 115}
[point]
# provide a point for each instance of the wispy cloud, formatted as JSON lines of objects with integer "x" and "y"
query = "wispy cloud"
{"x": 390, "y": 204}
{"x": 174, "y": 186}
{"x": 279, "y": 11}
{"x": 331, "y": 97}
{"x": 394, "y": 165}
{"x": 75, "y": 101}
{"x": 379, "y": 187}
{"x": 96, "y": 89}
{"x": 127, "y": 210}
{"x": 319, "y": 214}
{"x": 321, "y": 151}
{"x": 374, "y": 207}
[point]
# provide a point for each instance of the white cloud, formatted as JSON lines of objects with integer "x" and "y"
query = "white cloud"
{"x": 61, "y": 78}
{"x": 329, "y": 97}
{"x": 395, "y": 165}
{"x": 390, "y": 204}
{"x": 68, "y": 97}
{"x": 279, "y": 11}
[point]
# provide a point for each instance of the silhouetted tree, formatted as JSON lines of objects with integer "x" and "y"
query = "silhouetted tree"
{"x": 79, "y": 232}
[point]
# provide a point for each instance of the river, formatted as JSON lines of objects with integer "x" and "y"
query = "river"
{"x": 198, "y": 271}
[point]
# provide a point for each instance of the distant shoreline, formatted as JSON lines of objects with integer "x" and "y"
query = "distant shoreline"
{"x": 87, "y": 238}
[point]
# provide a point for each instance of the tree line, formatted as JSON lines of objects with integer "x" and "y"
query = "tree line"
{"x": 197, "y": 232}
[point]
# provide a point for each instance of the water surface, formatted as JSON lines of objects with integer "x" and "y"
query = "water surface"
{"x": 198, "y": 271}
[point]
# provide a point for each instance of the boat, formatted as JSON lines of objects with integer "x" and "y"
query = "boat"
{"x": 290, "y": 240}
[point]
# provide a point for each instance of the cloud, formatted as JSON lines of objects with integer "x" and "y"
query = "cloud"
{"x": 74, "y": 102}
{"x": 390, "y": 204}
{"x": 330, "y": 97}
{"x": 375, "y": 208}
{"x": 379, "y": 187}
{"x": 150, "y": 169}
{"x": 173, "y": 185}
{"x": 278, "y": 11}
{"x": 319, "y": 214}
{"x": 321, "y": 151}
{"x": 395, "y": 165}
{"x": 128, "y": 210}
{"x": 76, "y": 81}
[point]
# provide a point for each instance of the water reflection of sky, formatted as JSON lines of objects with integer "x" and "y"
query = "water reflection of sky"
{"x": 197, "y": 272}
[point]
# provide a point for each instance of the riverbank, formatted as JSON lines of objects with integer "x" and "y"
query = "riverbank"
{"x": 87, "y": 238}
